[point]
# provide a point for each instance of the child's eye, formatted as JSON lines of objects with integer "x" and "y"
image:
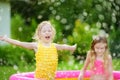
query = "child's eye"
{"x": 102, "y": 48}
{"x": 43, "y": 31}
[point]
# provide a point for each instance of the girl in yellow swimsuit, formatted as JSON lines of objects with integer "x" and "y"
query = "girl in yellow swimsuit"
{"x": 46, "y": 51}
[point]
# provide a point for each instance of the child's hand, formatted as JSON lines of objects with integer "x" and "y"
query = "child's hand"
{"x": 80, "y": 77}
{"x": 3, "y": 37}
{"x": 74, "y": 47}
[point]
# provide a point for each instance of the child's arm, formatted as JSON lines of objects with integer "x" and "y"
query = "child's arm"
{"x": 110, "y": 69}
{"x": 82, "y": 72}
{"x": 65, "y": 47}
{"x": 27, "y": 45}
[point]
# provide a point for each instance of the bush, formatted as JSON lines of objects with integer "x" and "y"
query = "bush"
{"x": 11, "y": 55}
{"x": 114, "y": 43}
{"x": 82, "y": 36}
{"x": 20, "y": 30}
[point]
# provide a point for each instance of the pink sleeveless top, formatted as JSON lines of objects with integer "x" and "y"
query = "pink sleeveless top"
{"x": 98, "y": 72}
{"x": 98, "y": 68}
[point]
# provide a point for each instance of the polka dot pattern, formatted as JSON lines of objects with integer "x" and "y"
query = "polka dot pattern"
{"x": 46, "y": 62}
{"x": 98, "y": 68}
{"x": 61, "y": 74}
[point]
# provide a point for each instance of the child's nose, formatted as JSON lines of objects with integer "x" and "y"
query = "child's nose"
{"x": 99, "y": 50}
{"x": 47, "y": 32}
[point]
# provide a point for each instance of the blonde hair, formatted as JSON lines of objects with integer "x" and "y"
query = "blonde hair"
{"x": 40, "y": 26}
{"x": 96, "y": 40}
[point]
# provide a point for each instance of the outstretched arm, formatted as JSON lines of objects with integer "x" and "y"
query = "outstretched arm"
{"x": 82, "y": 72}
{"x": 27, "y": 45}
{"x": 65, "y": 47}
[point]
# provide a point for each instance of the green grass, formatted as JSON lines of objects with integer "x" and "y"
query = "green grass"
{"x": 116, "y": 64}
{"x": 7, "y": 71}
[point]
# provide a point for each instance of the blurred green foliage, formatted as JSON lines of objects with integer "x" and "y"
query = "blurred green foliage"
{"x": 82, "y": 36}
{"x": 114, "y": 41}
{"x": 75, "y": 21}
{"x": 13, "y": 55}
{"x": 20, "y": 30}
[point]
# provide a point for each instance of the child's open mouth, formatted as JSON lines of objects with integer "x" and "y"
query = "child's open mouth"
{"x": 47, "y": 37}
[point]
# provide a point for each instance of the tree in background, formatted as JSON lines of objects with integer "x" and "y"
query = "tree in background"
{"x": 64, "y": 14}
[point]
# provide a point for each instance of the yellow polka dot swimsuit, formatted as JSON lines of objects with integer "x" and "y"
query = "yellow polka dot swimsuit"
{"x": 46, "y": 62}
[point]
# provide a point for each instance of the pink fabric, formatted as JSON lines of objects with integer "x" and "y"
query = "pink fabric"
{"x": 98, "y": 67}
{"x": 59, "y": 75}
{"x": 70, "y": 74}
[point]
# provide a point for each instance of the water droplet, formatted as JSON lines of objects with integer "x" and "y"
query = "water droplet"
{"x": 53, "y": 11}
{"x": 117, "y": 8}
{"x": 67, "y": 27}
{"x": 101, "y": 17}
{"x": 76, "y": 66}
{"x": 50, "y": 8}
{"x": 114, "y": 19}
{"x": 64, "y": 40}
{"x": 39, "y": 16}
{"x": 62, "y": 0}
{"x": 57, "y": 17}
{"x": 87, "y": 28}
{"x": 15, "y": 67}
{"x": 57, "y": 4}
{"x": 52, "y": 0}
{"x": 98, "y": 7}
{"x": 63, "y": 20}
{"x": 98, "y": 24}
{"x": 85, "y": 13}
{"x": 39, "y": 2}
{"x": 20, "y": 29}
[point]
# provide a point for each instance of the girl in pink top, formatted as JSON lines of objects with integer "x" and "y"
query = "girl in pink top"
{"x": 99, "y": 60}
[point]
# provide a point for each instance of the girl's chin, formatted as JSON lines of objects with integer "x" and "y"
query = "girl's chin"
{"x": 47, "y": 41}
{"x": 100, "y": 54}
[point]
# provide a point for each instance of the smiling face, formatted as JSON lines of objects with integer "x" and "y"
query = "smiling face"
{"x": 100, "y": 48}
{"x": 99, "y": 45}
{"x": 46, "y": 33}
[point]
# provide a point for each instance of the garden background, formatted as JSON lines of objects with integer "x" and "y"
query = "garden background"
{"x": 75, "y": 21}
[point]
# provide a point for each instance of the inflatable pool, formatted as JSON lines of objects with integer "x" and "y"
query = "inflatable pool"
{"x": 60, "y": 75}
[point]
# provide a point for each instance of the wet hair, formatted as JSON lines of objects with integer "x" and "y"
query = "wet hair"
{"x": 99, "y": 39}
{"x": 40, "y": 26}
